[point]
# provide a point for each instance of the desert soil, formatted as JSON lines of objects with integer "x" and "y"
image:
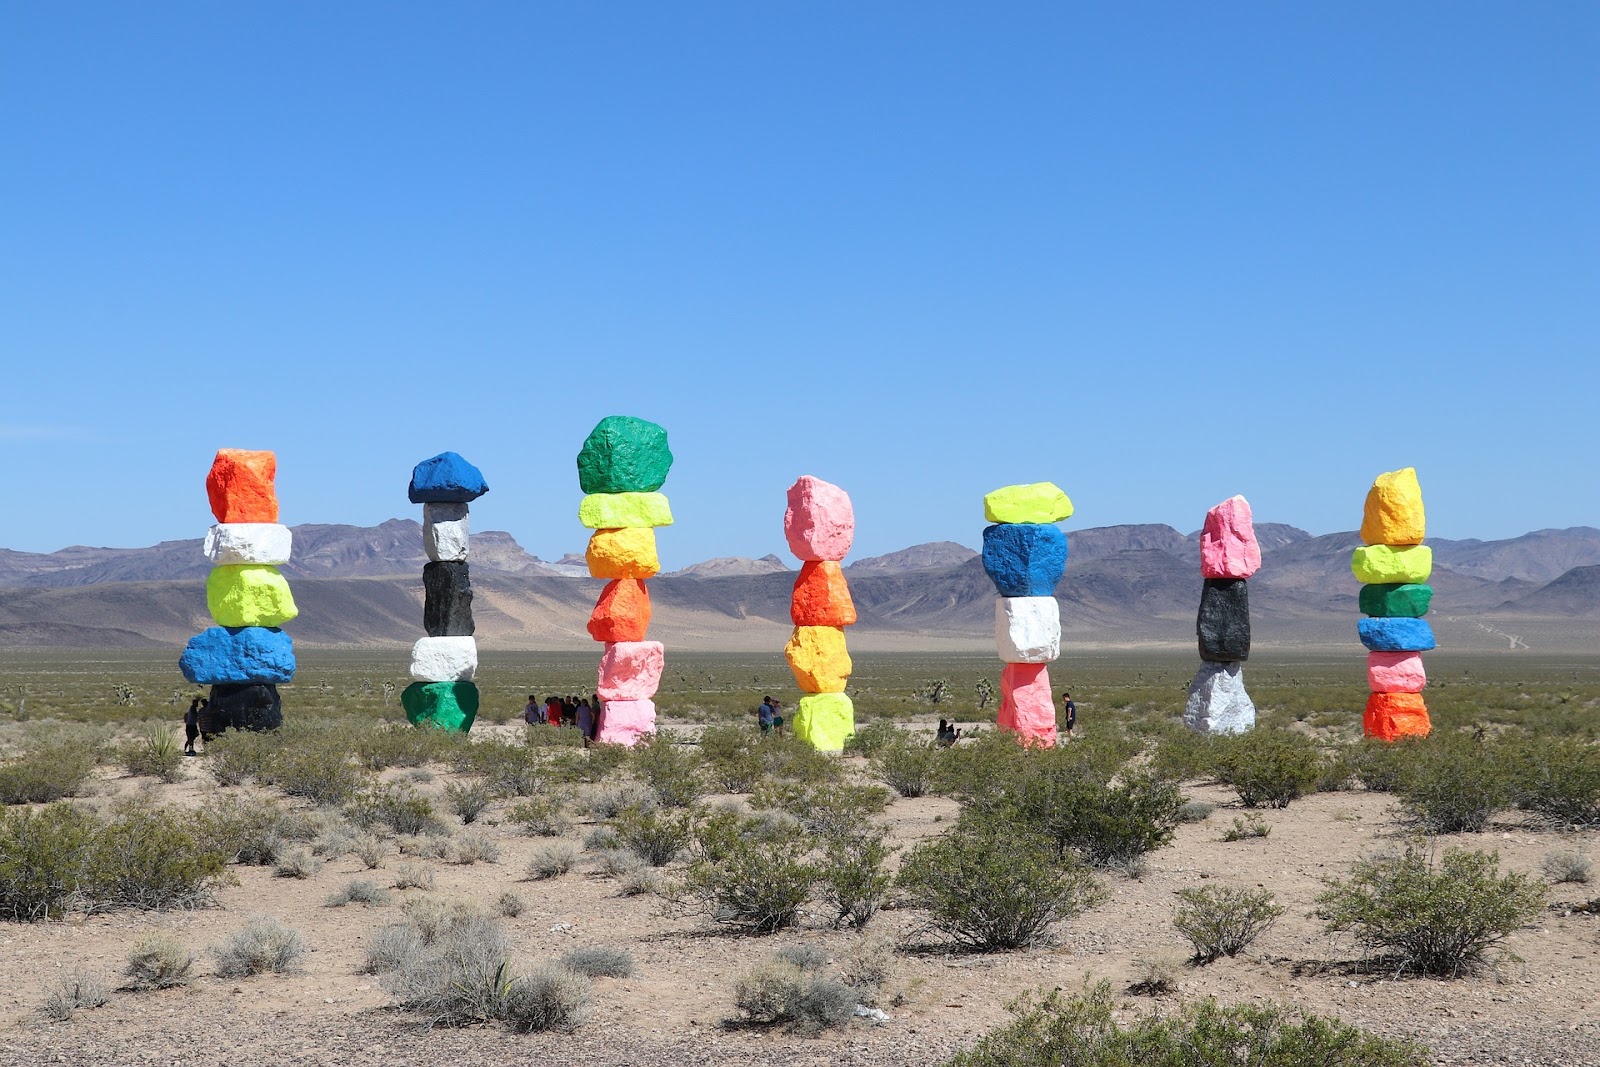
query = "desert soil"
{"x": 1543, "y": 1009}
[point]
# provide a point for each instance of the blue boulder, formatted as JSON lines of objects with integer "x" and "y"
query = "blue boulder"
{"x": 446, "y": 479}
{"x": 1024, "y": 558}
{"x": 246, "y": 655}
{"x": 1396, "y": 635}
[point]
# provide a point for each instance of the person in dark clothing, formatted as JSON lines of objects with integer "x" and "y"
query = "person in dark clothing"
{"x": 191, "y": 725}
{"x": 1069, "y": 714}
{"x": 764, "y": 715}
{"x": 947, "y": 735}
{"x": 532, "y": 712}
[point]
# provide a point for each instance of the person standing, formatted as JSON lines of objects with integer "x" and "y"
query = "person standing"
{"x": 191, "y": 726}
{"x": 1069, "y": 715}
{"x": 532, "y": 713}
{"x": 777, "y": 717}
{"x": 764, "y": 715}
{"x": 585, "y": 720}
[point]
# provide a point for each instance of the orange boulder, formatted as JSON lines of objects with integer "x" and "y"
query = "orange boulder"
{"x": 1391, "y": 716}
{"x": 240, "y": 486}
{"x": 822, "y": 596}
{"x": 622, "y": 612}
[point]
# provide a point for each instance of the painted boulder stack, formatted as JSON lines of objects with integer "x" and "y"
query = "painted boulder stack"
{"x": 246, "y": 656}
{"x": 1025, "y": 555}
{"x": 1394, "y": 567}
{"x": 1229, "y": 555}
{"x": 444, "y": 663}
{"x": 820, "y": 524}
{"x": 621, "y": 468}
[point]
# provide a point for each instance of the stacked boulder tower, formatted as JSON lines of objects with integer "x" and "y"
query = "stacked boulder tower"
{"x": 1394, "y": 566}
{"x": 444, "y": 664}
{"x": 246, "y": 656}
{"x": 1025, "y": 555}
{"x": 1229, "y": 555}
{"x": 820, "y": 524}
{"x": 621, "y": 468}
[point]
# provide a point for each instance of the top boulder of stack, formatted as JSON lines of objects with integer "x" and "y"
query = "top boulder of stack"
{"x": 1228, "y": 545}
{"x": 446, "y": 479}
{"x": 820, "y": 522}
{"x": 1393, "y": 514}
{"x": 1037, "y": 502}
{"x": 240, "y": 486}
{"x": 623, "y": 454}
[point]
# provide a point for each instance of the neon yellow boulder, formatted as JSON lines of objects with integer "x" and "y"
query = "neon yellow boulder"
{"x": 1037, "y": 502}
{"x": 826, "y": 720}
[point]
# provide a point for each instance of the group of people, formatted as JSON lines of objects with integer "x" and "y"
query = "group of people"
{"x": 581, "y": 712}
{"x": 770, "y": 716}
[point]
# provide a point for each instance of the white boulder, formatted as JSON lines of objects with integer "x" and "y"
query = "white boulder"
{"x": 1217, "y": 701}
{"x": 444, "y": 659}
{"x": 444, "y": 532}
{"x": 229, "y": 544}
{"x": 1027, "y": 629}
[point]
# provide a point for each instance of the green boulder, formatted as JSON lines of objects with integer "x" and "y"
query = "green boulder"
{"x": 447, "y": 705}
{"x": 1395, "y": 601}
{"x": 624, "y": 455}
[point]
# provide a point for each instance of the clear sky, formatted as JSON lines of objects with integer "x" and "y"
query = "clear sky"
{"x": 1157, "y": 253}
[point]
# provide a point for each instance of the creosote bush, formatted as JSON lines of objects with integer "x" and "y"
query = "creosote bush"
{"x": 1223, "y": 921}
{"x": 1243, "y": 829}
{"x": 46, "y": 774}
{"x": 159, "y": 961}
{"x": 672, "y": 771}
{"x": 907, "y": 764}
{"x": 1558, "y": 781}
{"x": 747, "y": 872}
{"x": 468, "y": 799}
{"x": 264, "y": 945}
{"x": 1267, "y": 767}
{"x": 1434, "y": 919}
{"x": 399, "y": 807}
{"x": 1455, "y": 784}
{"x": 655, "y": 836}
{"x": 541, "y": 816}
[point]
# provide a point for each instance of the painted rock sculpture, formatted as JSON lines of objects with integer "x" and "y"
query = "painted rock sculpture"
{"x": 1395, "y": 565}
{"x": 1025, "y": 556}
{"x": 621, "y": 468}
{"x": 444, "y": 664}
{"x": 245, "y": 657}
{"x": 1229, "y": 554}
{"x": 820, "y": 525}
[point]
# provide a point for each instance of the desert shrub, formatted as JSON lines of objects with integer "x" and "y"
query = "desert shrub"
{"x": 541, "y": 816}
{"x": 994, "y": 886}
{"x": 1455, "y": 784}
{"x": 546, "y": 998}
{"x": 601, "y": 761}
{"x": 432, "y": 917}
{"x": 1243, "y": 829}
{"x": 264, "y": 945}
{"x": 655, "y": 836}
{"x": 1558, "y": 781}
{"x": 240, "y": 756}
{"x": 158, "y": 754}
{"x": 46, "y": 774}
{"x": 610, "y": 802}
{"x": 321, "y": 775}
{"x": 1183, "y": 755}
{"x": 1083, "y": 1030}
{"x": 599, "y": 961}
{"x": 1106, "y": 825}
{"x": 370, "y": 849}
{"x": 415, "y": 876}
{"x": 41, "y": 859}
{"x": 638, "y": 881}
{"x": 869, "y": 740}
{"x": 601, "y": 838}
{"x": 778, "y": 992}
{"x": 76, "y": 989}
{"x": 459, "y": 977}
{"x": 732, "y": 757}
{"x": 391, "y": 946}
{"x": 359, "y": 891}
{"x": 508, "y": 770}
{"x": 1380, "y": 766}
{"x": 1222, "y": 920}
{"x": 468, "y": 799}
{"x": 1436, "y": 919}
{"x": 1564, "y": 865}
{"x": 400, "y": 746}
{"x": 399, "y": 807}
{"x": 472, "y": 848}
{"x": 852, "y": 876}
{"x": 868, "y": 965}
{"x": 747, "y": 873}
{"x": 807, "y": 957}
{"x": 619, "y": 862}
{"x": 1267, "y": 767}
{"x": 145, "y": 856}
{"x": 296, "y": 863}
{"x": 159, "y": 961}
{"x": 673, "y": 772}
{"x": 551, "y": 859}
{"x": 790, "y": 759}
{"x": 1195, "y": 811}
{"x": 907, "y": 765}
{"x": 253, "y": 832}
{"x": 824, "y": 809}
{"x": 436, "y": 846}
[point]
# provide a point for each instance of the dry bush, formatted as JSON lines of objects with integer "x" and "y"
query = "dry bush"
{"x": 599, "y": 961}
{"x": 76, "y": 989}
{"x": 159, "y": 961}
{"x": 264, "y": 945}
{"x": 551, "y": 859}
{"x": 358, "y": 892}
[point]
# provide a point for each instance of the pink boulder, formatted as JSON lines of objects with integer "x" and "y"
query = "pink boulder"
{"x": 1395, "y": 672}
{"x": 820, "y": 522}
{"x": 626, "y": 722}
{"x": 1027, "y": 708}
{"x": 631, "y": 670}
{"x": 1228, "y": 547}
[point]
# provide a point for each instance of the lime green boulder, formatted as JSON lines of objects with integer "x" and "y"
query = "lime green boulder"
{"x": 1039, "y": 502}
{"x": 446, "y": 705}
{"x": 249, "y": 594}
{"x": 624, "y": 455}
{"x": 1396, "y": 601}
{"x": 1392, "y": 564}
{"x": 826, "y": 720}
{"x": 619, "y": 511}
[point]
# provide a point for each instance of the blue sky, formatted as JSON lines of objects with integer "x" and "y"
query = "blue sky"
{"x": 1159, "y": 254}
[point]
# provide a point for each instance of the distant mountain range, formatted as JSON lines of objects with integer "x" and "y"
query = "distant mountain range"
{"x": 1126, "y": 586}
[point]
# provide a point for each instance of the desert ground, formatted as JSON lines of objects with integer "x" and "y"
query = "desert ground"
{"x": 1538, "y": 1002}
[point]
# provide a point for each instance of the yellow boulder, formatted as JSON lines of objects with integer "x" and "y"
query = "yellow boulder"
{"x": 826, "y": 720}
{"x": 250, "y": 594}
{"x": 627, "y": 553}
{"x": 1038, "y": 502}
{"x": 818, "y": 658}
{"x": 1392, "y": 564}
{"x": 611, "y": 511}
{"x": 1393, "y": 515}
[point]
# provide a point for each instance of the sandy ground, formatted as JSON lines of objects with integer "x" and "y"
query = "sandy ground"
{"x": 1543, "y": 1010}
